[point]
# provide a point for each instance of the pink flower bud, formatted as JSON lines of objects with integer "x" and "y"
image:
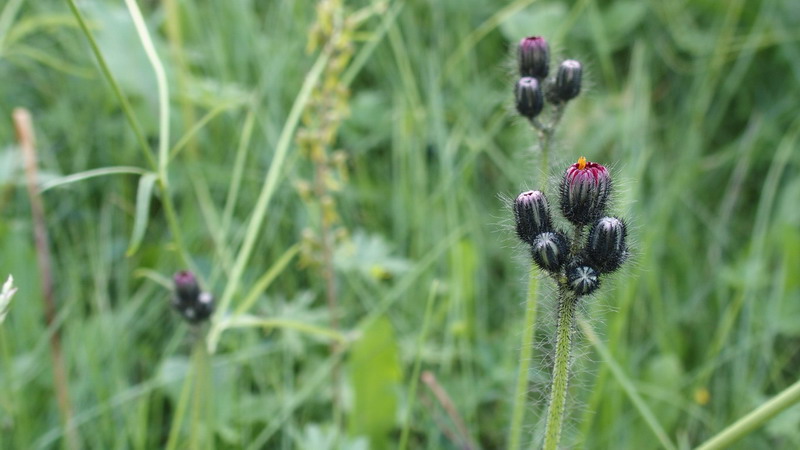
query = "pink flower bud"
{"x": 534, "y": 57}
{"x": 584, "y": 192}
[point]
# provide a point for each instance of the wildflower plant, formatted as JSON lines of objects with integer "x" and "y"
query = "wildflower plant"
{"x": 577, "y": 257}
{"x": 576, "y": 260}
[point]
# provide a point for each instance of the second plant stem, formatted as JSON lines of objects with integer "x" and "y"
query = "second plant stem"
{"x": 545, "y": 134}
{"x": 565, "y": 324}
{"x": 525, "y": 355}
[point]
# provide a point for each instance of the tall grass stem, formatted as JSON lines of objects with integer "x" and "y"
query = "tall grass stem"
{"x": 747, "y": 424}
{"x": 412, "y": 390}
{"x": 525, "y": 356}
{"x": 276, "y": 170}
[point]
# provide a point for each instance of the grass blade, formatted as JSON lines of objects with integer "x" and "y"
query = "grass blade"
{"x": 143, "y": 196}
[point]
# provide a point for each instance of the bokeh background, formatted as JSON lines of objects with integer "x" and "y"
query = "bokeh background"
{"x": 390, "y": 199}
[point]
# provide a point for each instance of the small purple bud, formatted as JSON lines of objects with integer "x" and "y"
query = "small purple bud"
{"x": 550, "y": 251}
{"x": 582, "y": 279}
{"x": 528, "y": 97}
{"x": 568, "y": 81}
{"x": 533, "y": 55}
{"x": 194, "y": 305}
{"x": 584, "y": 192}
{"x": 532, "y": 215}
{"x": 186, "y": 288}
{"x": 606, "y": 247}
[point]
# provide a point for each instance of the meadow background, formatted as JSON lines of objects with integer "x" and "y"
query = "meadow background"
{"x": 406, "y": 217}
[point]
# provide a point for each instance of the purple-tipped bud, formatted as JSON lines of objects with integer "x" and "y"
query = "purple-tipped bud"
{"x": 568, "y": 81}
{"x": 550, "y": 251}
{"x": 584, "y": 192}
{"x": 532, "y": 215}
{"x": 528, "y": 97}
{"x": 533, "y": 55}
{"x": 194, "y": 305}
{"x": 582, "y": 279}
{"x": 606, "y": 248}
{"x": 186, "y": 288}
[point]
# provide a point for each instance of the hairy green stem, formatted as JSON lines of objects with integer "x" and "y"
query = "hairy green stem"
{"x": 558, "y": 391}
{"x": 545, "y": 133}
{"x": 525, "y": 355}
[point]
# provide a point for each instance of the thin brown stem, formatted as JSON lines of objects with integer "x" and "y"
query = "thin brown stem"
{"x": 23, "y": 125}
{"x": 444, "y": 399}
{"x": 328, "y": 273}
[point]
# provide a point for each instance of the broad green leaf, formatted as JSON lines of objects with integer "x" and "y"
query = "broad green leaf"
{"x": 375, "y": 376}
{"x": 143, "y": 196}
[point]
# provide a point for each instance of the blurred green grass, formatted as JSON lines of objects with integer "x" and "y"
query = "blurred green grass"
{"x": 692, "y": 104}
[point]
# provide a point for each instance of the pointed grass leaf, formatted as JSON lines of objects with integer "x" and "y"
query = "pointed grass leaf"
{"x": 143, "y": 196}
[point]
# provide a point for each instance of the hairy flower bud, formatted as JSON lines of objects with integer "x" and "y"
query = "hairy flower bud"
{"x": 195, "y": 306}
{"x": 532, "y": 215}
{"x": 528, "y": 97}
{"x": 568, "y": 81}
{"x": 584, "y": 192}
{"x": 533, "y": 55}
{"x": 582, "y": 279}
{"x": 606, "y": 248}
{"x": 550, "y": 251}
{"x": 186, "y": 287}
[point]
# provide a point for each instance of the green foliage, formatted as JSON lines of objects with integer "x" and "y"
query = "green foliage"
{"x": 692, "y": 105}
{"x": 375, "y": 377}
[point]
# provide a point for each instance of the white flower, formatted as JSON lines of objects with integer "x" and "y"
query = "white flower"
{"x": 6, "y": 293}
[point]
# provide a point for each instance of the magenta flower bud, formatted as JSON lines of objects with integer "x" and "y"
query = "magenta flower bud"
{"x": 528, "y": 97}
{"x": 606, "y": 248}
{"x": 550, "y": 251}
{"x": 532, "y": 215}
{"x": 194, "y": 305}
{"x": 584, "y": 192}
{"x": 582, "y": 279}
{"x": 533, "y": 55}
{"x": 186, "y": 287}
{"x": 568, "y": 81}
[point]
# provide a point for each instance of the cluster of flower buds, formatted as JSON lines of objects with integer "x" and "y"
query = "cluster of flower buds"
{"x": 585, "y": 189}
{"x": 534, "y": 86}
{"x": 193, "y": 304}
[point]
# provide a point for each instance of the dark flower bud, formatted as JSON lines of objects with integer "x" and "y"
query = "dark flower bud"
{"x": 194, "y": 305}
{"x": 533, "y": 55}
{"x": 584, "y": 192}
{"x": 528, "y": 97}
{"x": 606, "y": 247}
{"x": 186, "y": 288}
{"x": 532, "y": 215}
{"x": 550, "y": 251}
{"x": 568, "y": 81}
{"x": 582, "y": 279}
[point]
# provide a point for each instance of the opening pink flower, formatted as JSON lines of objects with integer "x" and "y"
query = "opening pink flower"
{"x": 584, "y": 192}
